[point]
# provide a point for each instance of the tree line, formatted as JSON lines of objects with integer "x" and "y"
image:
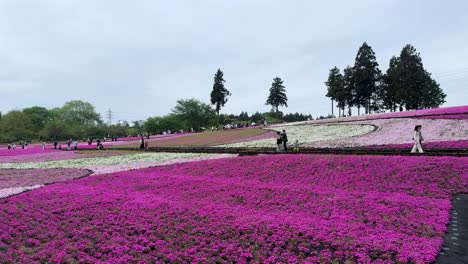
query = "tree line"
{"x": 79, "y": 120}
{"x": 406, "y": 85}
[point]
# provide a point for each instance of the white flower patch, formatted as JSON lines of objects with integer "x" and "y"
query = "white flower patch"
{"x": 308, "y": 133}
{"x": 153, "y": 158}
{"x": 15, "y": 190}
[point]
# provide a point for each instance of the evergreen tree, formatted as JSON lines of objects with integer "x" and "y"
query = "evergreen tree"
{"x": 418, "y": 89}
{"x": 335, "y": 87}
{"x": 277, "y": 95}
{"x": 219, "y": 95}
{"x": 366, "y": 76}
{"x": 349, "y": 88}
{"x": 391, "y": 93}
{"x": 432, "y": 95}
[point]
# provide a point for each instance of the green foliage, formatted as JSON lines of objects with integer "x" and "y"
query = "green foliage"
{"x": 15, "y": 125}
{"x": 366, "y": 78}
{"x": 277, "y": 95}
{"x": 194, "y": 114}
{"x": 219, "y": 95}
{"x": 53, "y": 129}
{"x": 336, "y": 87}
{"x": 79, "y": 113}
{"x": 39, "y": 117}
{"x": 406, "y": 84}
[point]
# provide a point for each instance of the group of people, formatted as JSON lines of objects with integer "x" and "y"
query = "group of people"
{"x": 143, "y": 143}
{"x": 23, "y": 144}
{"x": 281, "y": 141}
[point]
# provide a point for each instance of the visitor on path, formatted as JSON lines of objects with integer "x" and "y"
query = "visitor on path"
{"x": 22, "y": 144}
{"x": 418, "y": 138}
{"x": 146, "y": 145}
{"x": 279, "y": 141}
{"x": 142, "y": 143}
{"x": 285, "y": 140}
{"x": 90, "y": 141}
{"x": 296, "y": 146}
{"x": 75, "y": 144}
{"x": 55, "y": 144}
{"x": 13, "y": 146}
{"x": 9, "y": 146}
{"x": 26, "y": 145}
{"x": 69, "y": 144}
{"x": 43, "y": 145}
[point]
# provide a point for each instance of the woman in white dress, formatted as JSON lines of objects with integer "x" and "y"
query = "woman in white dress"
{"x": 418, "y": 138}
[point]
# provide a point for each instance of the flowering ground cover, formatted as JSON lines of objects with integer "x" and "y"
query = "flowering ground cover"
{"x": 461, "y": 145}
{"x": 59, "y": 155}
{"x": 268, "y": 209}
{"x": 450, "y": 116}
{"x": 400, "y": 131}
{"x": 206, "y": 138}
{"x": 308, "y": 133}
{"x": 16, "y": 181}
{"x": 456, "y": 112}
{"x": 19, "y": 151}
{"x": 100, "y": 165}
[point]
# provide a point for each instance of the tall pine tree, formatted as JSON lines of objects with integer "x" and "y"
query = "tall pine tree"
{"x": 348, "y": 88}
{"x": 417, "y": 88}
{"x": 335, "y": 87}
{"x": 219, "y": 95}
{"x": 277, "y": 95}
{"x": 366, "y": 76}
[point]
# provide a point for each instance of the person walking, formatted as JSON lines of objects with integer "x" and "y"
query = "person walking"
{"x": 146, "y": 145}
{"x": 418, "y": 138}
{"x": 69, "y": 144}
{"x": 75, "y": 143}
{"x": 142, "y": 143}
{"x": 285, "y": 140}
{"x": 43, "y": 145}
{"x": 279, "y": 141}
{"x": 55, "y": 144}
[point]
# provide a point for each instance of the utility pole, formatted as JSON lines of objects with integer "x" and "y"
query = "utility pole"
{"x": 109, "y": 116}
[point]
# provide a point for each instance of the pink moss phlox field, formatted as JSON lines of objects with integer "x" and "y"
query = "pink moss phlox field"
{"x": 400, "y": 131}
{"x": 267, "y": 209}
{"x": 17, "y": 178}
{"x": 54, "y": 155}
{"x": 461, "y": 145}
{"x": 463, "y": 116}
{"x": 269, "y": 134}
{"x": 20, "y": 152}
{"x": 153, "y": 137}
{"x": 426, "y": 113}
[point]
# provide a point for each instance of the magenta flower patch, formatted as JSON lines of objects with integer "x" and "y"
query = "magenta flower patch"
{"x": 268, "y": 209}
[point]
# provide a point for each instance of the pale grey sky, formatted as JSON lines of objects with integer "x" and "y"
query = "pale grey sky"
{"x": 139, "y": 57}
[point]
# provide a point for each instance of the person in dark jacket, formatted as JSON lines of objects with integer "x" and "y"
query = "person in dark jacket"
{"x": 142, "y": 143}
{"x": 279, "y": 141}
{"x": 284, "y": 138}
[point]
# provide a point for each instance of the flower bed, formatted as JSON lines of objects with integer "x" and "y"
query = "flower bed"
{"x": 206, "y": 138}
{"x": 59, "y": 155}
{"x": 268, "y": 209}
{"x": 461, "y": 145}
{"x": 400, "y": 131}
{"x": 114, "y": 163}
{"x": 16, "y": 181}
{"x": 463, "y": 116}
{"x": 17, "y": 178}
{"x": 20, "y": 152}
{"x": 460, "y": 111}
{"x": 308, "y": 133}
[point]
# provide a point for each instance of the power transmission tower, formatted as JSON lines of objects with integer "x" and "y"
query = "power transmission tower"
{"x": 109, "y": 116}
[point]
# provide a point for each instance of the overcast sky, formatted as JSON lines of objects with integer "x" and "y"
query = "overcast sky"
{"x": 139, "y": 57}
